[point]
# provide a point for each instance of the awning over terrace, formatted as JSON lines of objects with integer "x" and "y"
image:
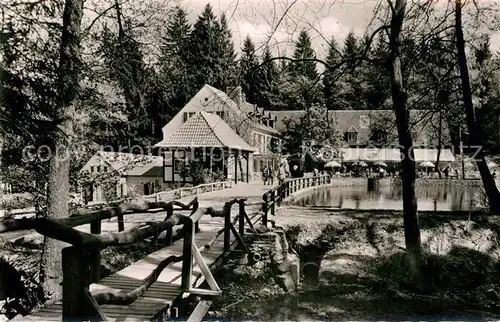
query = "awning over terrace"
{"x": 394, "y": 155}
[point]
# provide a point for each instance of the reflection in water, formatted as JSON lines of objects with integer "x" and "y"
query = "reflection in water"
{"x": 429, "y": 198}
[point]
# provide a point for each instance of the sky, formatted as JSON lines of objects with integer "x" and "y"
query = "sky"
{"x": 258, "y": 19}
{"x": 323, "y": 19}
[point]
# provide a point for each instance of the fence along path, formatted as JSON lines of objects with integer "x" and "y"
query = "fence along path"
{"x": 148, "y": 287}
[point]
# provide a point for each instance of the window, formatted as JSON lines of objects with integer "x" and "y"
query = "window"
{"x": 414, "y": 135}
{"x": 98, "y": 168}
{"x": 379, "y": 136}
{"x": 220, "y": 114}
{"x": 178, "y": 164}
{"x": 91, "y": 169}
{"x": 271, "y": 124}
{"x": 105, "y": 169}
{"x": 187, "y": 116}
{"x": 352, "y": 136}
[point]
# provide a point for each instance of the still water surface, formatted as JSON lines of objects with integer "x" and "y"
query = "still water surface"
{"x": 390, "y": 197}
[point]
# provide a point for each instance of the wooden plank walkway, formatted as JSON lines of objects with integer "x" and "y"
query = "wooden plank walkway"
{"x": 162, "y": 293}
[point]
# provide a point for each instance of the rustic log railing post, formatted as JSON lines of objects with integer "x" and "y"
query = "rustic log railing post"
{"x": 187, "y": 255}
{"x": 273, "y": 203}
{"x": 241, "y": 218}
{"x": 193, "y": 210}
{"x": 265, "y": 208}
{"x": 78, "y": 304}
{"x": 95, "y": 254}
{"x": 169, "y": 234}
{"x": 121, "y": 223}
{"x": 227, "y": 227}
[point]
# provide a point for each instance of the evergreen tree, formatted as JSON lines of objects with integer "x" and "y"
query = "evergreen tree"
{"x": 210, "y": 55}
{"x": 268, "y": 77}
{"x": 351, "y": 48}
{"x": 177, "y": 35}
{"x": 229, "y": 72}
{"x": 303, "y": 50}
{"x": 249, "y": 73}
{"x": 375, "y": 75}
{"x": 350, "y": 85}
{"x": 175, "y": 79}
{"x": 331, "y": 75}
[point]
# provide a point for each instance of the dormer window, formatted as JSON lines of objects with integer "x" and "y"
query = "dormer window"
{"x": 187, "y": 116}
{"x": 379, "y": 136}
{"x": 352, "y": 136}
{"x": 220, "y": 114}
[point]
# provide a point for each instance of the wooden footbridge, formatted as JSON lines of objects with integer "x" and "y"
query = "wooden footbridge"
{"x": 151, "y": 288}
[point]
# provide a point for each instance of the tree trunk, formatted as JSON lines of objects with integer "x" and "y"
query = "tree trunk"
{"x": 414, "y": 253}
{"x": 475, "y": 138}
{"x": 440, "y": 141}
{"x": 69, "y": 60}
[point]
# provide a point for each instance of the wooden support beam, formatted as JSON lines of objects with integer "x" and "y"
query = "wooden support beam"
{"x": 200, "y": 311}
{"x": 78, "y": 305}
{"x": 95, "y": 254}
{"x": 205, "y": 270}
{"x": 241, "y": 216}
{"x": 187, "y": 262}
{"x": 235, "y": 157}
{"x": 248, "y": 167}
{"x": 239, "y": 239}
{"x": 204, "y": 292}
{"x": 227, "y": 227}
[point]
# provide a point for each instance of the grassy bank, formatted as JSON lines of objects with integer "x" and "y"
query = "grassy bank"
{"x": 363, "y": 273}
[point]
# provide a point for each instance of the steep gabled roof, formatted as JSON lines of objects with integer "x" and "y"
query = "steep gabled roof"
{"x": 205, "y": 130}
{"x": 211, "y": 99}
{"x": 352, "y": 129}
{"x": 124, "y": 163}
{"x": 423, "y": 122}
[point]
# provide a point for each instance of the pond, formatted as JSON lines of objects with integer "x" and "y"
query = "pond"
{"x": 430, "y": 198}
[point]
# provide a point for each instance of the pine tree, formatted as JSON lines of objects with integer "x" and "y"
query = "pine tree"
{"x": 268, "y": 76}
{"x": 177, "y": 36}
{"x": 210, "y": 55}
{"x": 331, "y": 74}
{"x": 229, "y": 67}
{"x": 350, "y": 87}
{"x": 303, "y": 51}
{"x": 249, "y": 74}
{"x": 175, "y": 80}
{"x": 375, "y": 75}
{"x": 351, "y": 48}
{"x": 202, "y": 48}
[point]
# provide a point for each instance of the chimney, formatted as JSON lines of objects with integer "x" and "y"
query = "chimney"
{"x": 236, "y": 94}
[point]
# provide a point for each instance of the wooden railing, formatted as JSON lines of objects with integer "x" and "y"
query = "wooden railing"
{"x": 275, "y": 196}
{"x": 167, "y": 195}
{"x": 187, "y": 191}
{"x": 82, "y": 260}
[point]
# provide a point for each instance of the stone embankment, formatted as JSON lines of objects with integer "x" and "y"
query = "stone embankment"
{"x": 268, "y": 271}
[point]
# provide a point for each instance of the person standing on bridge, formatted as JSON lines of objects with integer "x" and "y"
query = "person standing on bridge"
{"x": 284, "y": 171}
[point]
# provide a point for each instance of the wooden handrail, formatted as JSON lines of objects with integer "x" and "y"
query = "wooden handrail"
{"x": 277, "y": 194}
{"x": 130, "y": 297}
{"x": 82, "y": 259}
{"x": 56, "y": 230}
{"x": 83, "y": 219}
